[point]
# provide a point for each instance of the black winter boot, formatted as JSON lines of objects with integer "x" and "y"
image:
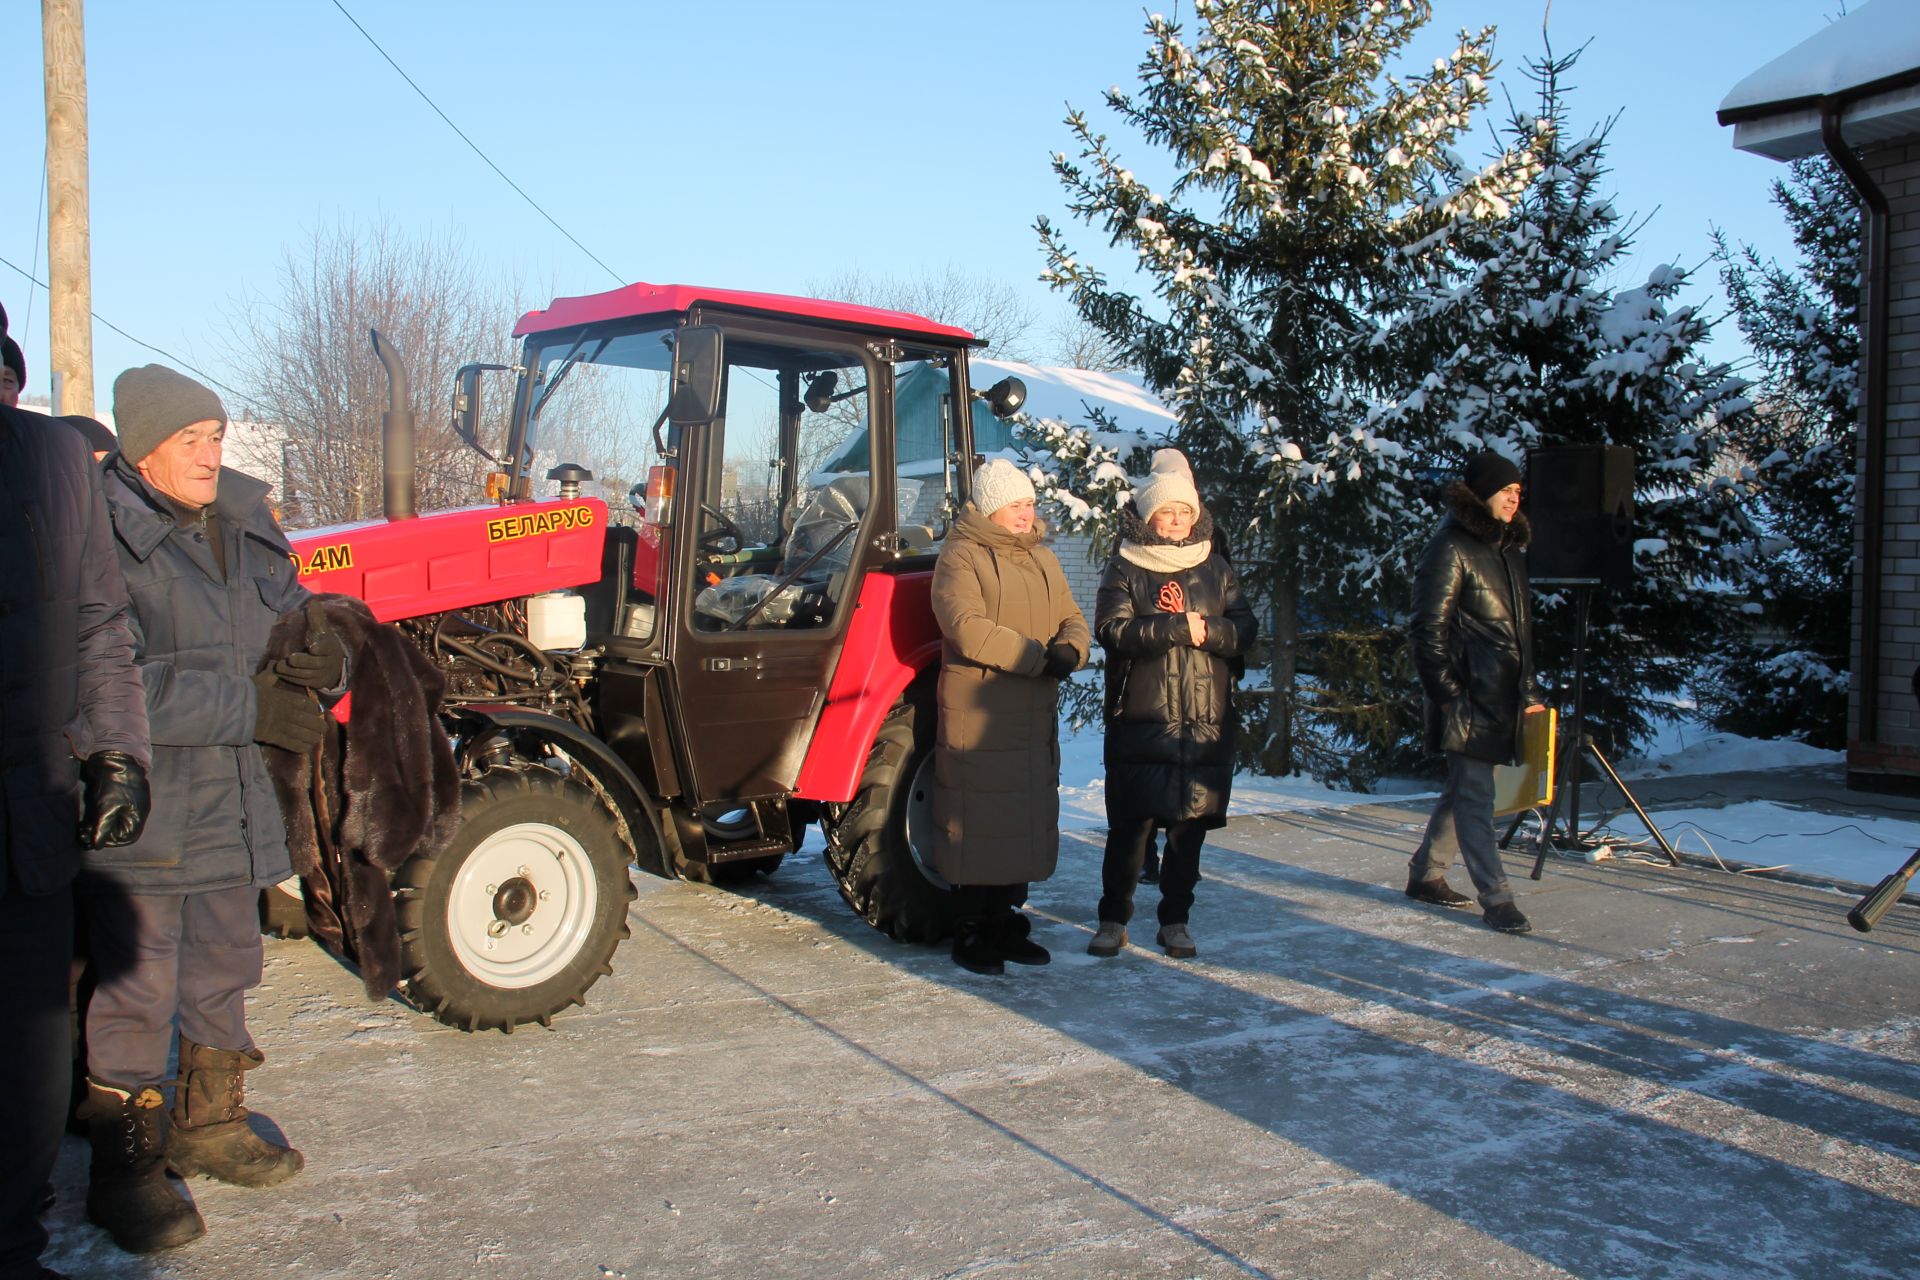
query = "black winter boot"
{"x": 975, "y": 948}
{"x": 1010, "y": 934}
{"x": 127, "y": 1191}
{"x": 1438, "y": 892}
{"x": 1507, "y": 918}
{"x": 210, "y": 1130}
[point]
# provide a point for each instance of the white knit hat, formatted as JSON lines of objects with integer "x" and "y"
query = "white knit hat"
{"x": 1170, "y": 480}
{"x": 997, "y": 482}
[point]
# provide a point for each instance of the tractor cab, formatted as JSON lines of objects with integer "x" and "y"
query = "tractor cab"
{"x": 768, "y": 431}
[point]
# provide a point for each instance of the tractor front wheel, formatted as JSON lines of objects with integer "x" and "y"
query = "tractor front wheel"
{"x": 519, "y": 915}
{"x": 877, "y": 843}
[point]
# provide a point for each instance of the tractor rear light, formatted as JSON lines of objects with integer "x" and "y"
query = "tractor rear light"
{"x": 496, "y": 486}
{"x": 660, "y": 484}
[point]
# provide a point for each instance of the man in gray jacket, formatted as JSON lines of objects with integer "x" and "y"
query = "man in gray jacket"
{"x": 73, "y": 757}
{"x": 174, "y": 924}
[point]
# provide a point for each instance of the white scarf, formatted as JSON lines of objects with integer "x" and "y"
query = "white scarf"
{"x": 1165, "y": 559}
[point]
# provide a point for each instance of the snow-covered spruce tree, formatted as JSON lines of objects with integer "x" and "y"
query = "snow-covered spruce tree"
{"x": 1306, "y": 176}
{"x": 1804, "y": 326}
{"x": 1514, "y": 340}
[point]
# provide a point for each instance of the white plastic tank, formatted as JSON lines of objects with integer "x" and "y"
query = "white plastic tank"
{"x": 557, "y": 620}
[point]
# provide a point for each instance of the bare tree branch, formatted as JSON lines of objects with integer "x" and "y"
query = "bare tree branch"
{"x": 307, "y": 367}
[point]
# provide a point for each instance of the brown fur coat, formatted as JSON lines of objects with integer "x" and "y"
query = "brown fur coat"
{"x": 389, "y": 788}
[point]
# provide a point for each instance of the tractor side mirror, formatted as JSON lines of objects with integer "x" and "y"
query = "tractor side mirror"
{"x": 466, "y": 404}
{"x": 696, "y": 376}
{"x": 1004, "y": 397}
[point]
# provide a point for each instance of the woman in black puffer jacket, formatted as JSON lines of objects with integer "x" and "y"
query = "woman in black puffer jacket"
{"x": 1171, "y": 619}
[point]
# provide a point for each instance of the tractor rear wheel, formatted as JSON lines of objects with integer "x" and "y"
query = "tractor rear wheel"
{"x": 877, "y": 842}
{"x": 520, "y": 914}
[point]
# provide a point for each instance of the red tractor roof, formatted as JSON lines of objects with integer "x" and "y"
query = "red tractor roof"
{"x": 643, "y": 299}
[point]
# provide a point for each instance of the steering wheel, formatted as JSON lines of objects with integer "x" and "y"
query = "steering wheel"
{"x": 715, "y": 540}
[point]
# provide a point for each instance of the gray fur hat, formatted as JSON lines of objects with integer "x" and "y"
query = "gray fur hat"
{"x": 152, "y": 402}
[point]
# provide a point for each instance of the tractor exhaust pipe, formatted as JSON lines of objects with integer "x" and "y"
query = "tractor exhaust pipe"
{"x": 396, "y": 435}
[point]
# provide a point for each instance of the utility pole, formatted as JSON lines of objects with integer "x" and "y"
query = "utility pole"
{"x": 69, "y": 257}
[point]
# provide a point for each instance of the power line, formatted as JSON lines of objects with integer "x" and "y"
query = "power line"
{"x": 39, "y": 211}
{"x": 204, "y": 376}
{"x": 617, "y": 277}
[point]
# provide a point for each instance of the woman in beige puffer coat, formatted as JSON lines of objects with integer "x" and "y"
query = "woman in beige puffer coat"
{"x": 1012, "y": 633}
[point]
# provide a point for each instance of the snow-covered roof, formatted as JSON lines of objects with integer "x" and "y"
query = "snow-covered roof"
{"x": 1064, "y": 394}
{"x": 1870, "y": 58}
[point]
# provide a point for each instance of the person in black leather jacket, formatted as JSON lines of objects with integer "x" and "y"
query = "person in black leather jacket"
{"x": 1472, "y": 639}
{"x": 1172, "y": 620}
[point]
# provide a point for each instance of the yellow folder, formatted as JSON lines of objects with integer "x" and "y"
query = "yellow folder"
{"x": 1529, "y": 784}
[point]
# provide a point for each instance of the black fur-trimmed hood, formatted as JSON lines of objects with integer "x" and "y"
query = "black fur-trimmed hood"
{"x": 1134, "y": 529}
{"x": 1477, "y": 519}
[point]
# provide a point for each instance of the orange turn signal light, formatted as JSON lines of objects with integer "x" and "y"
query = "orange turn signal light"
{"x": 496, "y": 486}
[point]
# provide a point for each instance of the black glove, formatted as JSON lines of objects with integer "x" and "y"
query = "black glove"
{"x": 286, "y": 718}
{"x": 1062, "y": 658}
{"x": 116, "y": 802}
{"x": 323, "y": 663}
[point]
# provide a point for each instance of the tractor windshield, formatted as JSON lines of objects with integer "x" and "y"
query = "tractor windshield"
{"x": 595, "y": 399}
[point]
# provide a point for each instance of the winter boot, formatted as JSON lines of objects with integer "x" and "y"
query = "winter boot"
{"x": 974, "y": 947}
{"x": 127, "y": 1190}
{"x": 1108, "y": 942}
{"x": 1438, "y": 892}
{"x": 1507, "y": 918}
{"x": 211, "y": 1135}
{"x": 1010, "y": 933}
{"x": 1177, "y": 941}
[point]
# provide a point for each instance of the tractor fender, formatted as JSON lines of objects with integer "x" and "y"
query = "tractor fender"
{"x": 893, "y": 642}
{"x": 640, "y": 809}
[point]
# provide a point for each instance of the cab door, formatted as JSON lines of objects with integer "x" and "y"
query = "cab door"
{"x": 777, "y": 519}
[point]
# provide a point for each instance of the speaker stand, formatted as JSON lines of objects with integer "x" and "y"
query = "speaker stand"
{"x": 1567, "y": 761}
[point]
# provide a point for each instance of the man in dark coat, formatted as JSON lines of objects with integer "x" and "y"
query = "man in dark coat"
{"x": 13, "y": 372}
{"x": 1472, "y": 638}
{"x": 69, "y": 693}
{"x": 1172, "y": 619}
{"x": 173, "y": 919}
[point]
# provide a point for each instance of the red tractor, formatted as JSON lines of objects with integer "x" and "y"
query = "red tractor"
{"x": 686, "y": 690}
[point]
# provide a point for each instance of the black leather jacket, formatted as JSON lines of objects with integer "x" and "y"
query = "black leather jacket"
{"x": 1472, "y": 631}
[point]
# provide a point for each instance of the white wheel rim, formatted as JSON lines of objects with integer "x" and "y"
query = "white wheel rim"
{"x": 920, "y": 821}
{"x": 521, "y": 905}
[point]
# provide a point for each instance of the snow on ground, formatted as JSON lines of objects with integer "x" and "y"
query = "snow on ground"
{"x": 1684, "y": 747}
{"x": 1083, "y": 788}
{"x": 1855, "y": 849}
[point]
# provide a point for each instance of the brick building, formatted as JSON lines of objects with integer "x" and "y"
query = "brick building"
{"x": 1853, "y": 92}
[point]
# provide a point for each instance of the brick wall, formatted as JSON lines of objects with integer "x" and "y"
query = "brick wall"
{"x": 1083, "y": 572}
{"x": 1892, "y": 760}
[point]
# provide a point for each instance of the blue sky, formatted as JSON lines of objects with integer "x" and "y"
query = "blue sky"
{"x": 748, "y": 143}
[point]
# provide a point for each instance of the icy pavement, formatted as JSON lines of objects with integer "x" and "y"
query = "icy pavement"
{"x": 1681, "y": 1073}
